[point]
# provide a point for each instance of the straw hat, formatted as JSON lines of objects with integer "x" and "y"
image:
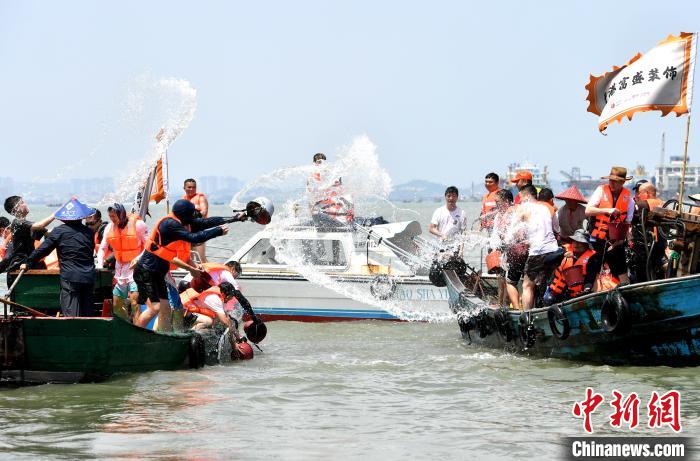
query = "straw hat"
{"x": 617, "y": 173}
{"x": 572, "y": 193}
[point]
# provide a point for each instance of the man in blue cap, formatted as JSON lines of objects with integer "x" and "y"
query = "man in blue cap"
{"x": 74, "y": 243}
{"x": 169, "y": 248}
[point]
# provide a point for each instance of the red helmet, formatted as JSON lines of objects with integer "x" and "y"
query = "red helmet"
{"x": 255, "y": 332}
{"x": 242, "y": 351}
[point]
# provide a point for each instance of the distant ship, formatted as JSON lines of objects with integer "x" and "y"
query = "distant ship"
{"x": 540, "y": 177}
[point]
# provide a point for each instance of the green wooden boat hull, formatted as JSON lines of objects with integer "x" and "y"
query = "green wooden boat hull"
{"x": 70, "y": 350}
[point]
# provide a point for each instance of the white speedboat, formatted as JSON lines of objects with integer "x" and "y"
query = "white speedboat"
{"x": 312, "y": 274}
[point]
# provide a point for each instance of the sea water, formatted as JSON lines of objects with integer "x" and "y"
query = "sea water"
{"x": 371, "y": 389}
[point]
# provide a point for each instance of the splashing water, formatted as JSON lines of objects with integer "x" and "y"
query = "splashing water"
{"x": 367, "y": 185}
{"x": 168, "y": 103}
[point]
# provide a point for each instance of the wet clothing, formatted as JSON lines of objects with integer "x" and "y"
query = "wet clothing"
{"x": 74, "y": 243}
{"x": 75, "y": 246}
{"x": 566, "y": 222}
{"x": 150, "y": 285}
{"x": 23, "y": 239}
{"x": 449, "y": 223}
{"x": 170, "y": 230}
{"x": 76, "y": 298}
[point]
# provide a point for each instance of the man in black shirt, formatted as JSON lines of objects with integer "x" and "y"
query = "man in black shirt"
{"x": 24, "y": 233}
{"x": 74, "y": 243}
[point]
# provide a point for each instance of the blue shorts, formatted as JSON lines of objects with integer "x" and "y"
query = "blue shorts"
{"x": 121, "y": 292}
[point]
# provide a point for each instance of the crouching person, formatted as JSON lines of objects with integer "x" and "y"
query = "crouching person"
{"x": 568, "y": 282}
{"x": 219, "y": 303}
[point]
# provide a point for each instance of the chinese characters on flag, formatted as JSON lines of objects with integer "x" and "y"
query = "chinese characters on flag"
{"x": 662, "y": 79}
{"x": 662, "y": 410}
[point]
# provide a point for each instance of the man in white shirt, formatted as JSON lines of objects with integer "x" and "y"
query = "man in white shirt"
{"x": 544, "y": 253}
{"x": 450, "y": 220}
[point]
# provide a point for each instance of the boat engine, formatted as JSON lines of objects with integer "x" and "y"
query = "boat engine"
{"x": 681, "y": 228}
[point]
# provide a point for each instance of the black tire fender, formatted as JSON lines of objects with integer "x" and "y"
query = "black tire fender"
{"x": 557, "y": 317}
{"x": 614, "y": 313}
{"x": 196, "y": 352}
{"x": 382, "y": 293}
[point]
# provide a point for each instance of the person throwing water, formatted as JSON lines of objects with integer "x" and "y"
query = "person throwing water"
{"x": 450, "y": 220}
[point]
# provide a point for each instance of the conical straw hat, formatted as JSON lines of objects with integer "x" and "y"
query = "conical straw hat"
{"x": 572, "y": 193}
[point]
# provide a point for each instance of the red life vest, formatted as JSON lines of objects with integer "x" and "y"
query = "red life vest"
{"x": 600, "y": 225}
{"x": 51, "y": 261}
{"x": 177, "y": 249}
{"x": 559, "y": 284}
{"x": 198, "y": 200}
{"x": 125, "y": 242}
{"x": 193, "y": 301}
{"x": 488, "y": 204}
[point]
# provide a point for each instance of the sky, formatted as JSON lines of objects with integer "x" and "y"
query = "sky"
{"x": 447, "y": 90}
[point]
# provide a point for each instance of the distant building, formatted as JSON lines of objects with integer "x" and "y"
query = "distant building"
{"x": 668, "y": 176}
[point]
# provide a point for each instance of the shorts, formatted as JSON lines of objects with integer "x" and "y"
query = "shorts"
{"x": 538, "y": 268}
{"x": 122, "y": 291}
{"x": 151, "y": 285}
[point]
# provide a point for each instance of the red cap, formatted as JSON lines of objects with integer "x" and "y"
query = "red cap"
{"x": 524, "y": 174}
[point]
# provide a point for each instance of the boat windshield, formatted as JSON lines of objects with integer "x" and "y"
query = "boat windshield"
{"x": 315, "y": 252}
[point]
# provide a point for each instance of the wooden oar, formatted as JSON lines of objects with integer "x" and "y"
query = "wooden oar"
{"x": 34, "y": 312}
{"x": 14, "y": 284}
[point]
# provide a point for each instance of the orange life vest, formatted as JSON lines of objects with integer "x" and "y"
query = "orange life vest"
{"x": 125, "y": 242}
{"x": 193, "y": 301}
{"x": 334, "y": 206}
{"x": 214, "y": 267}
{"x": 488, "y": 204}
{"x": 97, "y": 241}
{"x": 51, "y": 260}
{"x": 600, "y": 225}
{"x": 5, "y": 240}
{"x": 177, "y": 249}
{"x": 198, "y": 200}
{"x": 559, "y": 284}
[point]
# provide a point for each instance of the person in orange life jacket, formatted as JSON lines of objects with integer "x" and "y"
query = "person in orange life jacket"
{"x": 218, "y": 273}
{"x": 570, "y": 216}
{"x": 127, "y": 237}
{"x": 522, "y": 178}
{"x": 202, "y": 206}
{"x": 24, "y": 234}
{"x": 646, "y": 249}
{"x": 544, "y": 254}
{"x": 216, "y": 303}
{"x": 611, "y": 202}
{"x": 5, "y": 236}
{"x": 168, "y": 245}
{"x": 74, "y": 243}
{"x": 488, "y": 201}
{"x": 328, "y": 204}
{"x": 579, "y": 253}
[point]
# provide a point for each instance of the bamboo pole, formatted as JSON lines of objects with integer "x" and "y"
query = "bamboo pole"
{"x": 685, "y": 161}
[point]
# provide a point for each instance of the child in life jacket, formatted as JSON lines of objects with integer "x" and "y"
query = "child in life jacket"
{"x": 578, "y": 254}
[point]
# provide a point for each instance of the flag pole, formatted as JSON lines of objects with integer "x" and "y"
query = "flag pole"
{"x": 167, "y": 178}
{"x": 685, "y": 161}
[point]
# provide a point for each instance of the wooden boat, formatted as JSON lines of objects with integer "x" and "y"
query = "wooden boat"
{"x": 646, "y": 324}
{"x": 36, "y": 349}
